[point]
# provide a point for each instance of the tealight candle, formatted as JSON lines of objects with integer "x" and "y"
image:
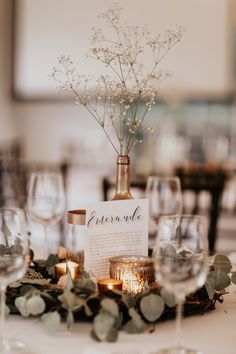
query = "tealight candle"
{"x": 136, "y": 272}
{"x": 105, "y": 285}
{"x": 69, "y": 267}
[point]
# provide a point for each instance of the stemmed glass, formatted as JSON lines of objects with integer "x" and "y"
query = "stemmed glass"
{"x": 180, "y": 257}
{"x": 165, "y": 198}
{"x": 13, "y": 263}
{"x": 46, "y": 200}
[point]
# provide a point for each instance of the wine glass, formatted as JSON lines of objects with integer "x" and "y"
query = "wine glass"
{"x": 13, "y": 263}
{"x": 46, "y": 200}
{"x": 165, "y": 198}
{"x": 180, "y": 257}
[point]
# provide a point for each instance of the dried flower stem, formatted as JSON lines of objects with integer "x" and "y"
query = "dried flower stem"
{"x": 121, "y": 101}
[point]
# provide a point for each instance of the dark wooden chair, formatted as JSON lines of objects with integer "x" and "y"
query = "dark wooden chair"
{"x": 195, "y": 179}
{"x": 198, "y": 178}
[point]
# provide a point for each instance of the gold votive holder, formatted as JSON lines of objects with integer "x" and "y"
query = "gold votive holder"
{"x": 67, "y": 267}
{"x": 104, "y": 285}
{"x": 135, "y": 272}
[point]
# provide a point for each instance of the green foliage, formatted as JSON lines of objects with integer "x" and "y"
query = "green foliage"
{"x": 34, "y": 306}
{"x": 168, "y": 297}
{"x": 233, "y": 278}
{"x": 110, "y": 306}
{"x": 152, "y": 307}
{"x": 222, "y": 263}
{"x": 136, "y": 324}
{"x": 221, "y": 279}
{"x": 103, "y": 325}
{"x": 117, "y": 310}
{"x": 51, "y": 321}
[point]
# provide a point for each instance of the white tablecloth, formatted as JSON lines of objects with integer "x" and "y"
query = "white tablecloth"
{"x": 212, "y": 333}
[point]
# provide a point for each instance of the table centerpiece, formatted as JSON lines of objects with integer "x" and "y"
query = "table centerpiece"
{"x": 121, "y": 99}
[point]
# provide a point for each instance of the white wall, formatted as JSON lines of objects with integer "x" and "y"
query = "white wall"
{"x": 7, "y": 130}
{"x": 199, "y": 62}
{"x": 46, "y": 128}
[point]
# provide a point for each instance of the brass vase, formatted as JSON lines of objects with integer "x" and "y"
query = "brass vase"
{"x": 123, "y": 178}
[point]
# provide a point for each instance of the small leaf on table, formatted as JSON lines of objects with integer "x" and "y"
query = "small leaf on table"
{"x": 52, "y": 260}
{"x": 21, "y": 305}
{"x": 136, "y": 324}
{"x": 233, "y": 277}
{"x": 222, "y": 263}
{"x": 51, "y": 321}
{"x": 110, "y": 306}
{"x": 152, "y": 307}
{"x": 210, "y": 285}
{"x": 222, "y": 280}
{"x": 70, "y": 300}
{"x": 168, "y": 297}
{"x": 103, "y": 324}
{"x": 36, "y": 305}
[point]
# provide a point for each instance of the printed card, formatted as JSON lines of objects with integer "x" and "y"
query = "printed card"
{"x": 113, "y": 229}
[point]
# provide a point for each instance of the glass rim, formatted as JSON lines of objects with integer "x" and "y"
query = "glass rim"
{"x": 184, "y": 216}
{"x": 132, "y": 261}
{"x": 166, "y": 178}
{"x": 14, "y": 209}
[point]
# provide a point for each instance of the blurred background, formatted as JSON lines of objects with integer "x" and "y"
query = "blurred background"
{"x": 194, "y": 121}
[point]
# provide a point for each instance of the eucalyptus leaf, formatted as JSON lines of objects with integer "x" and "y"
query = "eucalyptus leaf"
{"x": 70, "y": 301}
{"x": 110, "y": 306}
{"x": 51, "y": 271}
{"x": 168, "y": 297}
{"x": 87, "y": 310}
{"x": 21, "y": 305}
{"x": 152, "y": 307}
{"x": 36, "y": 305}
{"x": 103, "y": 324}
{"x": 128, "y": 300}
{"x": 112, "y": 335}
{"x": 69, "y": 281}
{"x": 222, "y": 263}
{"x": 52, "y": 260}
{"x": 233, "y": 277}
{"x": 136, "y": 324}
{"x": 27, "y": 289}
{"x": 222, "y": 280}
{"x": 210, "y": 287}
{"x": 51, "y": 321}
{"x": 169, "y": 251}
{"x": 86, "y": 285}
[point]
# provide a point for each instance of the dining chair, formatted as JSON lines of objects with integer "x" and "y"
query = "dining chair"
{"x": 195, "y": 178}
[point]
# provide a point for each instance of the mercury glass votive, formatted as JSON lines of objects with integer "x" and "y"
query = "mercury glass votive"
{"x": 135, "y": 272}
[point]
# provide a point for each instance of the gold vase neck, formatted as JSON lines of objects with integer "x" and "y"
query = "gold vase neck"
{"x": 123, "y": 178}
{"x": 123, "y": 160}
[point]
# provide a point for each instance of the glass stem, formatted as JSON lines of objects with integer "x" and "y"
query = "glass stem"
{"x": 46, "y": 240}
{"x": 178, "y": 321}
{"x": 2, "y": 316}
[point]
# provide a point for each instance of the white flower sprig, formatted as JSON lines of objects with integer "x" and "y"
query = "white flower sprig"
{"x": 121, "y": 99}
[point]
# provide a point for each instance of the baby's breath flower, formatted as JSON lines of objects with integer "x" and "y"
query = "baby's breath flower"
{"x": 121, "y": 101}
